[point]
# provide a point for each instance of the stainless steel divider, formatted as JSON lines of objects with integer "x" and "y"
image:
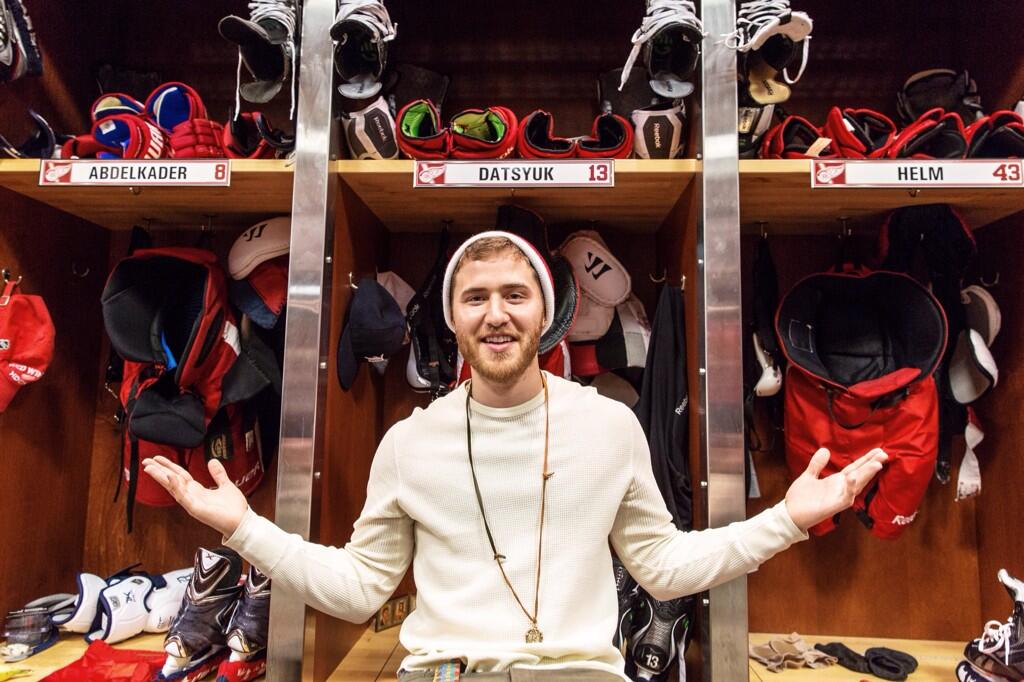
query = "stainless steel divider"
{"x": 309, "y": 299}
{"x": 718, "y": 247}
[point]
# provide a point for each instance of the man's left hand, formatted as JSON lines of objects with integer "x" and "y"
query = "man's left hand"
{"x": 811, "y": 500}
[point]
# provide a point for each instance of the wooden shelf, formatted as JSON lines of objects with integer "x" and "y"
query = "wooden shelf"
{"x": 779, "y": 193}
{"x": 644, "y": 193}
{"x": 259, "y": 188}
{"x": 936, "y": 660}
{"x": 377, "y": 655}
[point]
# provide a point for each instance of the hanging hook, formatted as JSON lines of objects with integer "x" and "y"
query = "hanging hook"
{"x": 682, "y": 284}
{"x": 76, "y": 273}
{"x": 658, "y": 280}
{"x": 8, "y": 277}
{"x": 981, "y": 278}
{"x": 350, "y": 282}
{"x": 764, "y": 230}
{"x": 209, "y": 223}
{"x": 844, "y": 228}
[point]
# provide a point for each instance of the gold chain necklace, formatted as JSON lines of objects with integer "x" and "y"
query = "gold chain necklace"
{"x": 533, "y": 635}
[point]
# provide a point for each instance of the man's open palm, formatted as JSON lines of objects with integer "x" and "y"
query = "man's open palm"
{"x": 221, "y": 508}
{"x": 811, "y": 500}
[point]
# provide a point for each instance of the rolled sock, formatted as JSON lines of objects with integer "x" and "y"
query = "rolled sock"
{"x": 890, "y": 664}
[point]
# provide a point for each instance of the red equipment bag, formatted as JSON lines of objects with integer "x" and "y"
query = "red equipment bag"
{"x": 862, "y": 347}
{"x": 166, "y": 312}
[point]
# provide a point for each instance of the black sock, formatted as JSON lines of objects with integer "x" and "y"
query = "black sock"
{"x": 848, "y": 658}
{"x": 890, "y": 664}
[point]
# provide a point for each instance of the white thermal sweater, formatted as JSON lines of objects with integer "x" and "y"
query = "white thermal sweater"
{"x": 420, "y": 507}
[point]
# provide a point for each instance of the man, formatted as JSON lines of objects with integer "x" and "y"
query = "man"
{"x": 505, "y": 493}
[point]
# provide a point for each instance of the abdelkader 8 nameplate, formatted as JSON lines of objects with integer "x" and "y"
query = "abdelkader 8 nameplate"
{"x": 121, "y": 172}
{"x": 515, "y": 173}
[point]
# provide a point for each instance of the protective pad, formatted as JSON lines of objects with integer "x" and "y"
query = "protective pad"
{"x": 592, "y": 320}
{"x": 163, "y": 603}
{"x": 972, "y": 369}
{"x": 83, "y": 616}
{"x": 122, "y": 609}
{"x": 982, "y": 311}
{"x": 600, "y": 274}
{"x": 659, "y": 131}
{"x": 762, "y": 84}
{"x": 370, "y": 132}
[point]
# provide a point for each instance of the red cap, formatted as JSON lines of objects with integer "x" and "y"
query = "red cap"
{"x": 26, "y": 341}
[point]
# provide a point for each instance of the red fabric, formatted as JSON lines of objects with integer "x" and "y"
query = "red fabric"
{"x": 591, "y": 147}
{"x": 103, "y": 663}
{"x": 84, "y": 147}
{"x": 236, "y": 149}
{"x": 468, "y": 147}
{"x": 583, "y": 358}
{"x": 240, "y": 671}
{"x": 908, "y": 431}
{"x": 26, "y": 341}
{"x": 547, "y": 146}
{"x": 435, "y": 146}
{"x": 791, "y": 139}
{"x": 928, "y": 125}
{"x": 269, "y": 279}
{"x": 145, "y": 140}
{"x": 198, "y": 138}
{"x": 850, "y": 145}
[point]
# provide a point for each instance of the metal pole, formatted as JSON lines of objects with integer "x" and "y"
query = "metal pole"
{"x": 309, "y": 297}
{"x": 722, "y": 368}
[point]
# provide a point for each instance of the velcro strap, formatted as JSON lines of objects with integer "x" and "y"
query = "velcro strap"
{"x": 484, "y": 133}
{"x": 420, "y": 135}
{"x": 537, "y": 140}
{"x": 197, "y": 138}
{"x": 610, "y": 138}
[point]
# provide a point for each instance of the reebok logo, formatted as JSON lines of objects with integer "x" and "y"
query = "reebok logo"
{"x": 657, "y": 136}
{"x": 767, "y": 86}
{"x": 682, "y": 406}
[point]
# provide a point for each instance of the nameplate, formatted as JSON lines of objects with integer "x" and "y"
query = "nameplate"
{"x": 125, "y": 172}
{"x": 918, "y": 174}
{"x": 515, "y": 173}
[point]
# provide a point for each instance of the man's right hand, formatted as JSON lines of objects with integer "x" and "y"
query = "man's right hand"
{"x": 221, "y": 508}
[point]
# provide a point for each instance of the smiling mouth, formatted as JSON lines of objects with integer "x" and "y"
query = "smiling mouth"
{"x": 498, "y": 342}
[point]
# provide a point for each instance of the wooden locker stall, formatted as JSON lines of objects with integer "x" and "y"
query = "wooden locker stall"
{"x": 60, "y": 443}
{"x": 937, "y": 581}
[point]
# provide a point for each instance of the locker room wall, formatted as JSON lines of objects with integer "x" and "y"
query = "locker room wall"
{"x": 46, "y": 432}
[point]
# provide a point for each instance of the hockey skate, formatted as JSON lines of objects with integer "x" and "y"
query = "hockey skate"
{"x": 362, "y": 29}
{"x": 670, "y": 36}
{"x": 247, "y": 631}
{"x": 660, "y": 632}
{"x": 1000, "y": 648}
{"x": 266, "y": 46}
{"x": 196, "y": 642}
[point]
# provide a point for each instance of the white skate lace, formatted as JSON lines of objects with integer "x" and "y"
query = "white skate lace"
{"x": 660, "y": 13}
{"x": 996, "y": 635}
{"x": 283, "y": 12}
{"x": 752, "y": 16}
{"x": 370, "y": 13}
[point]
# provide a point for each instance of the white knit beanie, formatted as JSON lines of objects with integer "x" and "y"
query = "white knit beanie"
{"x": 547, "y": 282}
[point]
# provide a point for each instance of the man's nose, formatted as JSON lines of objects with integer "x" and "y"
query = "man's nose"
{"x": 496, "y": 313}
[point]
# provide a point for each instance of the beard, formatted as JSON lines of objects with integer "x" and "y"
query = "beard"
{"x": 500, "y": 368}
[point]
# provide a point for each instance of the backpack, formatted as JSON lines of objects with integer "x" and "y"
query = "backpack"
{"x": 862, "y": 347}
{"x": 167, "y": 315}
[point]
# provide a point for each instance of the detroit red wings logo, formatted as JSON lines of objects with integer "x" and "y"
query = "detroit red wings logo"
{"x": 57, "y": 172}
{"x": 430, "y": 173}
{"x": 826, "y": 173}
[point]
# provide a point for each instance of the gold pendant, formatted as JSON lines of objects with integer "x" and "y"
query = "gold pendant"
{"x": 533, "y": 635}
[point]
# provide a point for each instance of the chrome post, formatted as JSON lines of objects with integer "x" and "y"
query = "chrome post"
{"x": 309, "y": 297}
{"x": 721, "y": 337}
